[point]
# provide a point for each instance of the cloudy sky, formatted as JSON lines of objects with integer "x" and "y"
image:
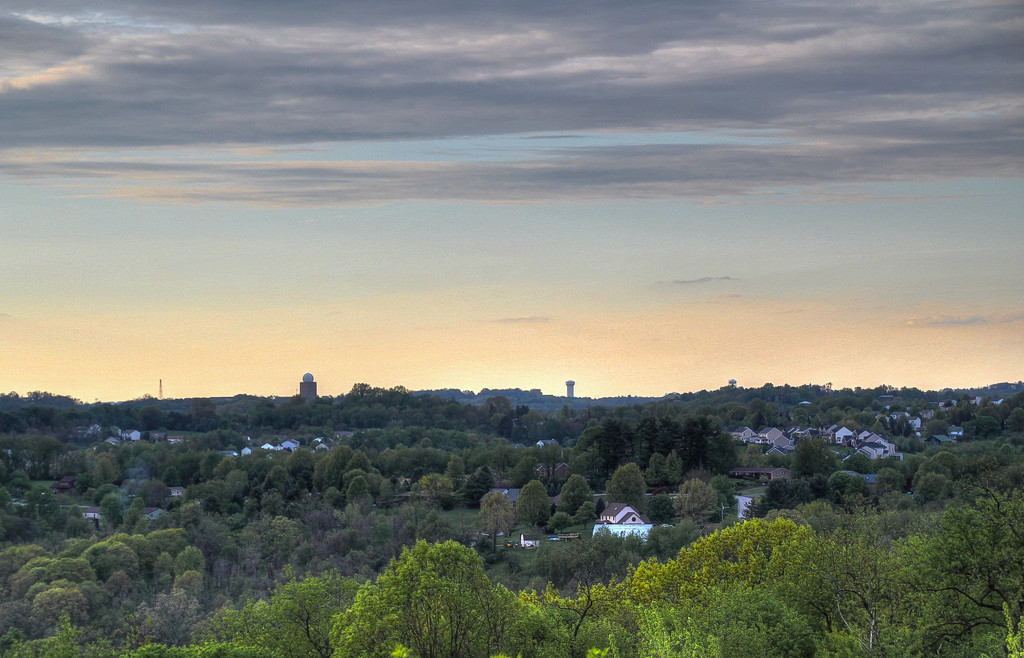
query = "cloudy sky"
{"x": 644, "y": 197}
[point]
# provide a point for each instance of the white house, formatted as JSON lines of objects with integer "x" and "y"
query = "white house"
{"x": 529, "y": 541}
{"x": 745, "y": 434}
{"x": 879, "y": 448}
{"x": 290, "y": 444}
{"x": 771, "y": 435}
{"x": 843, "y": 434}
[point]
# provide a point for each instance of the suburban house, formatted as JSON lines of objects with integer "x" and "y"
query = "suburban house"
{"x": 878, "y": 448}
{"x": 546, "y": 443}
{"x": 559, "y": 471}
{"x": 870, "y": 478}
{"x": 511, "y": 494}
{"x": 131, "y": 435}
{"x": 772, "y": 435}
{"x": 801, "y": 433}
{"x": 956, "y": 432}
{"x": 745, "y": 434}
{"x": 622, "y": 514}
{"x": 64, "y": 485}
{"x": 529, "y": 540}
{"x": 842, "y": 435}
{"x": 290, "y": 444}
{"x": 177, "y": 492}
{"x": 765, "y": 472}
{"x": 152, "y": 513}
{"x": 92, "y": 513}
{"x": 780, "y": 450}
{"x": 939, "y": 439}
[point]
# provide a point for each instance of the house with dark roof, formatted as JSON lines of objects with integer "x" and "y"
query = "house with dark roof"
{"x": 939, "y": 440}
{"x": 64, "y": 485}
{"x": 622, "y": 514}
{"x": 511, "y": 494}
{"x": 757, "y": 473}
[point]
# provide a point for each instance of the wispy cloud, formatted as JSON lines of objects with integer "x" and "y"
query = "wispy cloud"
{"x": 703, "y": 279}
{"x": 873, "y": 92}
{"x": 528, "y": 319}
{"x": 964, "y": 320}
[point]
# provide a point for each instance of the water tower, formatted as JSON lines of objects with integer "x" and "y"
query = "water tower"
{"x": 307, "y": 387}
{"x": 568, "y": 388}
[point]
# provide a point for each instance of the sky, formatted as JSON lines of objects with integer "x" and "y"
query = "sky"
{"x": 644, "y": 197}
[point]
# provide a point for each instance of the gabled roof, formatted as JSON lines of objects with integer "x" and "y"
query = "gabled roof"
{"x": 513, "y": 494}
{"x": 616, "y": 511}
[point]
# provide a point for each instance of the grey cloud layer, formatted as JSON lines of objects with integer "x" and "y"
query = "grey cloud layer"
{"x": 864, "y": 91}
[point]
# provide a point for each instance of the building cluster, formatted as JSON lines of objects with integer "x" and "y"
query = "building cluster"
{"x": 783, "y": 442}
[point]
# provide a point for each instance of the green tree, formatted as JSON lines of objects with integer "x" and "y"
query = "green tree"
{"x": 437, "y": 490}
{"x": 456, "y": 470}
{"x": 656, "y": 474}
{"x": 697, "y": 500}
{"x": 574, "y": 493}
{"x": 889, "y": 480}
{"x": 189, "y": 559}
{"x": 753, "y": 456}
{"x": 134, "y": 513}
{"x": 854, "y": 577}
{"x": 477, "y": 485}
{"x": 814, "y": 457}
{"x": 151, "y": 417}
{"x": 524, "y": 471}
{"x": 661, "y": 509}
{"x": 106, "y": 469}
{"x": 673, "y": 469}
{"x": 560, "y": 521}
{"x": 358, "y": 491}
{"x": 858, "y": 462}
{"x": 533, "y": 505}
{"x": 972, "y": 568}
{"x": 295, "y": 621}
{"x": 436, "y": 600}
{"x": 52, "y": 604}
{"x": 496, "y": 515}
{"x": 628, "y": 486}
{"x": 110, "y": 509}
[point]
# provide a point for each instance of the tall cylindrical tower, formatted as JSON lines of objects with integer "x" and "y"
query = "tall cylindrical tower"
{"x": 568, "y": 388}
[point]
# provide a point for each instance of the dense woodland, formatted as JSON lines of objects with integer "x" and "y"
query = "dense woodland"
{"x": 377, "y": 535}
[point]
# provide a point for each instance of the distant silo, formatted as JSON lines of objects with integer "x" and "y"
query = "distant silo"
{"x": 568, "y": 388}
{"x": 307, "y": 387}
{"x": 732, "y": 382}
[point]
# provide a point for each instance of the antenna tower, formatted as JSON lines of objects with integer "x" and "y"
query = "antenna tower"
{"x": 161, "y": 394}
